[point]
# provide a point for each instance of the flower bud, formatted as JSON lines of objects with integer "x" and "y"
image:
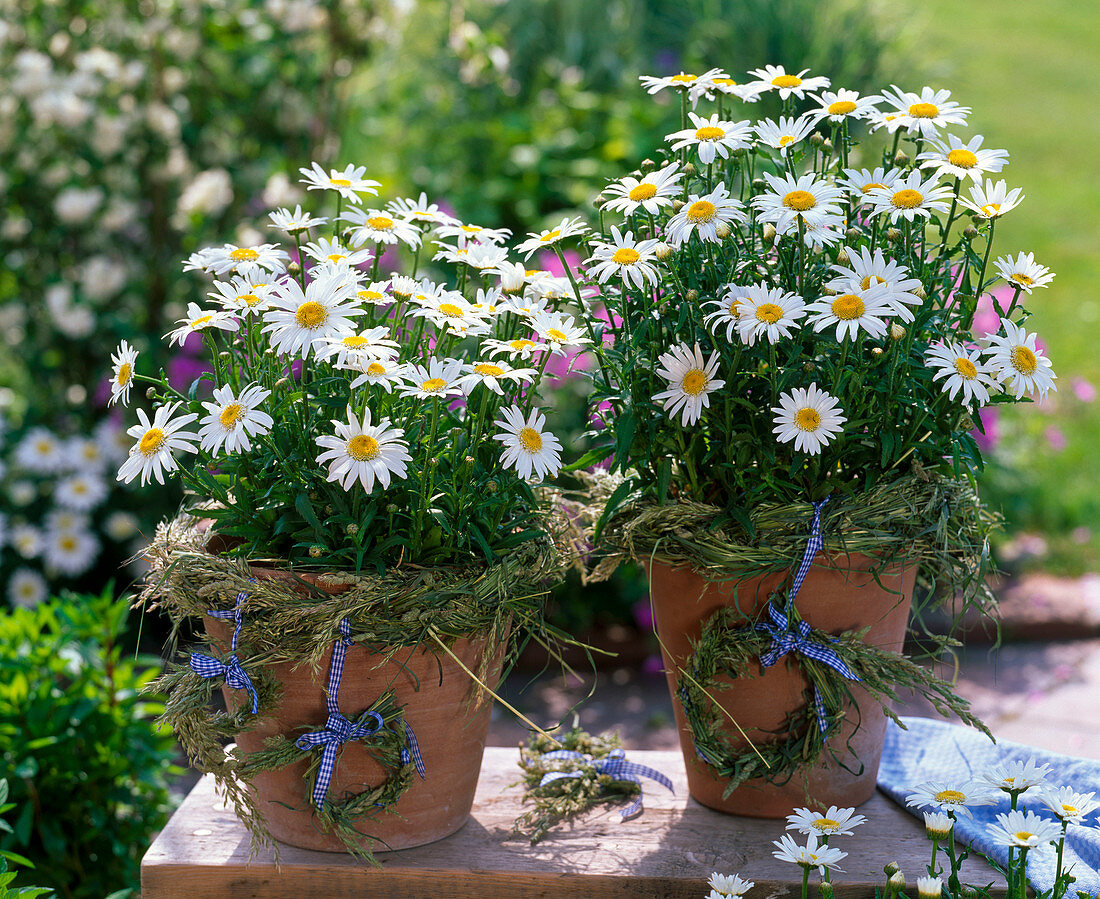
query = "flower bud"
{"x": 891, "y": 868}
{"x": 151, "y": 393}
{"x": 809, "y": 367}
{"x": 648, "y": 165}
{"x": 316, "y": 551}
{"x": 223, "y": 355}
{"x": 901, "y": 158}
{"x": 391, "y": 508}
{"x": 282, "y": 382}
{"x": 876, "y": 352}
{"x": 692, "y": 296}
{"x": 294, "y": 268}
{"x": 966, "y": 423}
{"x": 662, "y": 250}
{"x": 330, "y": 509}
{"x": 827, "y": 147}
{"x": 598, "y": 203}
{"x": 722, "y": 231}
{"x": 352, "y": 529}
{"x": 469, "y": 460}
{"x": 768, "y": 237}
{"x": 970, "y": 231}
{"x": 492, "y": 487}
{"x": 817, "y": 138}
{"x": 853, "y": 234}
{"x": 919, "y": 291}
{"x": 759, "y": 183}
{"x": 894, "y": 234}
{"x": 842, "y": 256}
{"x": 825, "y": 890}
{"x": 739, "y": 153}
{"x": 897, "y": 332}
{"x": 828, "y": 291}
{"x": 929, "y": 887}
{"x": 690, "y": 170}
{"x": 897, "y": 880}
{"x": 677, "y": 205}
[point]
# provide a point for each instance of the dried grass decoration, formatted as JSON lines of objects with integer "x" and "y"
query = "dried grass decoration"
{"x": 289, "y": 620}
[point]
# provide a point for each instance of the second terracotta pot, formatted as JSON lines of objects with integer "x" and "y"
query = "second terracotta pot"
{"x": 838, "y": 595}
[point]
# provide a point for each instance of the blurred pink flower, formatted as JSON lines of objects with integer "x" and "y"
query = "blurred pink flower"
{"x": 653, "y": 664}
{"x": 1055, "y": 438}
{"x": 991, "y": 308}
{"x": 987, "y": 441}
{"x": 642, "y": 612}
{"x": 1083, "y": 390}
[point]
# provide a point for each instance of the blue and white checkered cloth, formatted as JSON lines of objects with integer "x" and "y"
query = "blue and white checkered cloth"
{"x": 234, "y": 673}
{"x": 932, "y": 750}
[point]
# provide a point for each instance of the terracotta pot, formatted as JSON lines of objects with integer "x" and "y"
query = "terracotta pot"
{"x": 434, "y": 691}
{"x": 837, "y": 596}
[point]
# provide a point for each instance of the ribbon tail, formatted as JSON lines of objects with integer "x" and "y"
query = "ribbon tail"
{"x": 324, "y": 774}
{"x": 636, "y": 806}
{"x": 414, "y": 747}
{"x": 551, "y": 776}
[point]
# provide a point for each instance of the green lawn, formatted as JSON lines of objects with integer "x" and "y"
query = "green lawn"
{"x": 1031, "y": 71}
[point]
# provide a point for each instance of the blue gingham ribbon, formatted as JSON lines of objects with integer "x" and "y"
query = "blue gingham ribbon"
{"x": 339, "y": 730}
{"x": 787, "y": 639}
{"x": 235, "y": 675}
{"x": 615, "y": 766}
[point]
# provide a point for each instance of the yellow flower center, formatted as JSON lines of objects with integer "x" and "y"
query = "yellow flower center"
{"x": 488, "y": 370}
{"x": 43, "y": 447}
{"x": 907, "y": 199}
{"x": 354, "y": 342}
{"x": 799, "y": 200}
{"x": 521, "y": 344}
{"x": 841, "y": 107}
{"x": 725, "y": 82}
{"x": 867, "y": 188}
{"x": 625, "y": 256}
{"x": 231, "y": 414}
{"x": 376, "y": 369}
{"x": 786, "y": 81}
{"x": 701, "y": 211}
{"x": 555, "y": 334}
{"x": 989, "y": 210}
{"x": 807, "y": 419}
{"x": 695, "y": 382}
{"x": 684, "y": 79}
{"x": 530, "y": 440}
{"x": 339, "y": 182}
{"x": 1024, "y": 835}
{"x": 336, "y": 257}
{"x": 1070, "y": 810}
{"x": 471, "y": 229}
{"x": 964, "y": 159}
{"x": 953, "y": 797}
{"x": 1010, "y": 781}
{"x": 924, "y": 110}
{"x": 866, "y": 283}
{"x": 786, "y": 139}
{"x": 244, "y": 254}
{"x": 201, "y": 320}
{"x": 380, "y": 223}
{"x": 249, "y": 299}
{"x": 1022, "y": 279}
{"x": 643, "y": 191}
{"x": 826, "y": 824}
{"x": 67, "y": 543}
{"x": 848, "y": 306}
{"x": 363, "y": 448}
{"x": 1023, "y": 360}
{"x": 151, "y": 442}
{"x": 125, "y": 373}
{"x": 79, "y": 488}
{"x": 372, "y": 295}
{"x": 311, "y": 315}
{"x": 450, "y": 310}
{"x": 709, "y": 132}
{"x": 769, "y": 312}
{"x": 433, "y": 385}
{"x": 551, "y": 235}
{"x": 966, "y": 368}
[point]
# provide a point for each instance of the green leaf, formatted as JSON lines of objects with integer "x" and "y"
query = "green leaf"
{"x": 305, "y": 509}
{"x": 614, "y": 501}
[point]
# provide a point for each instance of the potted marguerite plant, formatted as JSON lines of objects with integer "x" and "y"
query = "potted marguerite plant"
{"x": 365, "y": 539}
{"x": 789, "y": 380}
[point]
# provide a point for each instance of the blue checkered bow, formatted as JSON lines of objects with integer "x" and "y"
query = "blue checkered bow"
{"x": 339, "y": 730}
{"x": 235, "y": 675}
{"x": 615, "y": 766}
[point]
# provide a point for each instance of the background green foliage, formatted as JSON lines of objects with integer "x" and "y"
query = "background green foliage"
{"x": 88, "y": 769}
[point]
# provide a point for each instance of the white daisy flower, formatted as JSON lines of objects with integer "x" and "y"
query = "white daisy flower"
{"x": 519, "y": 348}
{"x": 811, "y": 417}
{"x": 242, "y": 296}
{"x": 199, "y": 319}
{"x": 729, "y": 885}
{"x": 767, "y": 312}
{"x": 356, "y": 350}
{"x": 199, "y": 261}
{"x": 374, "y": 226}
{"x": 487, "y": 302}
{"x": 1018, "y": 361}
{"x": 439, "y": 378}
{"x": 87, "y": 454}
{"x": 852, "y": 312}
{"x": 865, "y": 269}
{"x": 633, "y": 261}
{"x": 929, "y": 888}
{"x": 712, "y": 137}
{"x": 420, "y": 210}
{"x": 60, "y": 519}
{"x": 776, "y": 78}
{"x": 793, "y": 198}
{"x": 120, "y": 526}
{"x": 295, "y": 222}
{"x": 492, "y": 373}
{"x": 26, "y": 540}
{"x": 824, "y": 233}
{"x": 558, "y": 331}
{"x": 951, "y": 796}
{"x": 70, "y": 553}
{"x": 925, "y": 112}
{"x": 962, "y": 160}
{"x": 684, "y": 81}
{"x": 702, "y": 215}
{"x": 384, "y": 373}
{"x": 1024, "y": 272}
{"x": 349, "y": 183}
{"x": 27, "y": 588}
{"x": 726, "y": 86}
{"x": 960, "y": 369}
{"x": 40, "y": 452}
{"x": 478, "y": 233}
{"x": 565, "y": 229}
{"x": 651, "y": 193}
{"x": 122, "y": 377}
{"x": 404, "y": 288}
{"x": 484, "y": 256}
{"x": 1067, "y": 804}
{"x": 450, "y": 310}
{"x": 80, "y": 492}
{"x": 690, "y": 382}
{"x": 325, "y": 250}
{"x": 513, "y": 277}
{"x": 234, "y": 420}
{"x": 299, "y": 321}
{"x": 909, "y": 197}
{"x": 534, "y": 453}
{"x": 364, "y": 452}
{"x": 809, "y": 856}
{"x": 861, "y": 182}
{"x": 1023, "y": 830}
{"x": 1015, "y": 777}
{"x": 844, "y": 104}
{"x": 157, "y": 440}
{"x": 376, "y": 294}
{"x": 937, "y": 825}
{"x": 232, "y": 258}
{"x": 835, "y": 821}
{"x": 992, "y": 200}
{"x": 786, "y": 133}
{"x": 727, "y": 310}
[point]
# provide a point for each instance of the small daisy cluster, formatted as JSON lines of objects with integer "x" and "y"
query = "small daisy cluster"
{"x": 55, "y": 509}
{"x": 366, "y": 414}
{"x": 798, "y": 294}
